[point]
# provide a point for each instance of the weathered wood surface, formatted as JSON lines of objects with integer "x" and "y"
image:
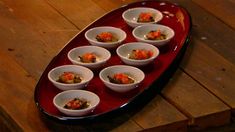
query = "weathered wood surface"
{"x": 200, "y": 94}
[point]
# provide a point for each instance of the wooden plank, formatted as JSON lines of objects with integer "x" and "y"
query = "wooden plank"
{"x": 159, "y": 115}
{"x": 216, "y": 34}
{"x": 116, "y": 124}
{"x": 222, "y": 9}
{"x": 216, "y": 74}
{"x": 23, "y": 44}
{"x": 109, "y": 5}
{"x": 128, "y": 126}
{"x": 80, "y": 13}
{"x": 17, "y": 95}
{"x": 202, "y": 107}
{"x": 222, "y": 48}
{"x": 7, "y": 124}
{"x": 49, "y": 25}
{"x": 18, "y": 86}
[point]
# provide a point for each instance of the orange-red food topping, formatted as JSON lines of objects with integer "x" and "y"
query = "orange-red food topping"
{"x": 155, "y": 35}
{"x": 140, "y": 54}
{"x": 145, "y": 17}
{"x": 121, "y": 78}
{"x": 88, "y": 58}
{"x": 76, "y": 104}
{"x": 69, "y": 77}
{"x": 106, "y": 37}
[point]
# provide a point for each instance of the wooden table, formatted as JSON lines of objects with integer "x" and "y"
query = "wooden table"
{"x": 201, "y": 94}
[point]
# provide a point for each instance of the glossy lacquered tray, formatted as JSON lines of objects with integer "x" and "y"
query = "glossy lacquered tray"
{"x": 175, "y": 17}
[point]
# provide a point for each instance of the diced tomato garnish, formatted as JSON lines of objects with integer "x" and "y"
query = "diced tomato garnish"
{"x": 145, "y": 17}
{"x": 73, "y": 104}
{"x": 142, "y": 54}
{"x": 89, "y": 56}
{"x": 122, "y": 77}
{"x": 152, "y": 35}
{"x": 106, "y": 36}
{"x": 157, "y": 33}
{"x": 68, "y": 76}
{"x": 150, "y": 53}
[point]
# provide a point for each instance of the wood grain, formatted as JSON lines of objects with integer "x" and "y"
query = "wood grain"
{"x": 77, "y": 12}
{"x": 17, "y": 85}
{"x": 113, "y": 4}
{"x": 23, "y": 44}
{"x": 215, "y": 74}
{"x": 216, "y": 34}
{"x": 7, "y": 124}
{"x": 128, "y": 126}
{"x": 196, "y": 102}
{"x": 158, "y": 114}
{"x": 207, "y": 39}
{"x": 222, "y": 9}
{"x": 49, "y": 26}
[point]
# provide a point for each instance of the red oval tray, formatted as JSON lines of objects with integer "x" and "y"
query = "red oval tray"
{"x": 175, "y": 17}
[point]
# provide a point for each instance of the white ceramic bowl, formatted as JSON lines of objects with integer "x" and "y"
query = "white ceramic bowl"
{"x": 125, "y": 50}
{"x": 133, "y": 72}
{"x": 91, "y": 34}
{"x": 140, "y": 32}
{"x": 85, "y": 74}
{"x": 62, "y": 98}
{"x": 130, "y": 16}
{"x": 102, "y": 56}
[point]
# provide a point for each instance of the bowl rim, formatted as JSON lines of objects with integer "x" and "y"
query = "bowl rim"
{"x": 118, "y": 66}
{"x": 79, "y": 110}
{"x": 88, "y": 64}
{"x": 155, "y": 25}
{"x": 72, "y": 84}
{"x": 133, "y": 60}
{"x": 104, "y": 43}
{"x": 136, "y": 8}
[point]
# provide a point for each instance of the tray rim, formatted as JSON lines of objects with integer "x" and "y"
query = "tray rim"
{"x": 179, "y": 55}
